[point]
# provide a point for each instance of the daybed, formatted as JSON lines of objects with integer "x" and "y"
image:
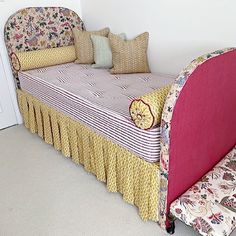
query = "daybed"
{"x": 197, "y": 127}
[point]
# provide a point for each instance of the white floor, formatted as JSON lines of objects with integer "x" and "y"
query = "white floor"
{"x": 43, "y": 193}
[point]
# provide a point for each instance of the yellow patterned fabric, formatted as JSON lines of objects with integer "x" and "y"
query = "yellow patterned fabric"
{"x": 43, "y": 58}
{"x": 129, "y": 56}
{"x": 84, "y": 45}
{"x": 146, "y": 111}
{"x": 122, "y": 171}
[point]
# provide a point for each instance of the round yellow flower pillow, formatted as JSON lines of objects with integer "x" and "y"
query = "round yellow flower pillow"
{"x": 146, "y": 111}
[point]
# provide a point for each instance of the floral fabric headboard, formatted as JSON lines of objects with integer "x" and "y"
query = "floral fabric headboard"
{"x": 37, "y": 28}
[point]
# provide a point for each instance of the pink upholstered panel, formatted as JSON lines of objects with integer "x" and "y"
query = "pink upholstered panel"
{"x": 203, "y": 123}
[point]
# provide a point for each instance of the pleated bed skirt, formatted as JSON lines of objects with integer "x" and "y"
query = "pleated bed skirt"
{"x": 122, "y": 171}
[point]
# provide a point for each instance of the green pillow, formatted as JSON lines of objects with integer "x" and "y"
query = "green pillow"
{"x": 102, "y": 51}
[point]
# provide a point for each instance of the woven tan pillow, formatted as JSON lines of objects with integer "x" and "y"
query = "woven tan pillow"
{"x": 84, "y": 46}
{"x": 129, "y": 56}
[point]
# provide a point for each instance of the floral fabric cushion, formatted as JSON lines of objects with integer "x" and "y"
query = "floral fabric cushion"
{"x": 43, "y": 58}
{"x": 84, "y": 46}
{"x": 146, "y": 111}
{"x": 129, "y": 56}
{"x": 102, "y": 51}
{"x": 210, "y": 205}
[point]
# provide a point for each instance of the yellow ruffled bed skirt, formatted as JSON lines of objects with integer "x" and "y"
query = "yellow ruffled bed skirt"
{"x": 122, "y": 171}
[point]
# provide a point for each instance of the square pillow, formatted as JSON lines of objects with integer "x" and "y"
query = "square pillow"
{"x": 129, "y": 56}
{"x": 84, "y": 46}
{"x": 102, "y": 51}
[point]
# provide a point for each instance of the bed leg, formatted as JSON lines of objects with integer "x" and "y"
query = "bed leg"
{"x": 170, "y": 225}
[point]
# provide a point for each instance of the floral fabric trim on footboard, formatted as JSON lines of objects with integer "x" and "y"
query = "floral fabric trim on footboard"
{"x": 210, "y": 205}
{"x": 166, "y": 128}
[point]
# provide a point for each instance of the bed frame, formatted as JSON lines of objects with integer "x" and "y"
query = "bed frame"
{"x": 197, "y": 129}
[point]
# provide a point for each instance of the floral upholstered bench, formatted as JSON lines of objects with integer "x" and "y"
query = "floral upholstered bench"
{"x": 210, "y": 205}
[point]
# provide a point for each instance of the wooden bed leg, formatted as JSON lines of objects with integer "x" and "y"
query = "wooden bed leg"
{"x": 170, "y": 224}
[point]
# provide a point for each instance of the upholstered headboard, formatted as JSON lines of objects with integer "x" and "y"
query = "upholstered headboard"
{"x": 37, "y": 28}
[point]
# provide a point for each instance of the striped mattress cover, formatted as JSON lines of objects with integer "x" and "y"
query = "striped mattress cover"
{"x": 99, "y": 100}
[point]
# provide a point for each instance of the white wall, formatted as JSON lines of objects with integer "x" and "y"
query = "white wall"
{"x": 180, "y": 30}
{"x": 7, "y": 8}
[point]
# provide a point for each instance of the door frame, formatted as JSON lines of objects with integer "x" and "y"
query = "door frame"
{"x": 10, "y": 81}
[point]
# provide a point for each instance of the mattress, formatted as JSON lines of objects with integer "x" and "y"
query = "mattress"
{"x": 99, "y": 100}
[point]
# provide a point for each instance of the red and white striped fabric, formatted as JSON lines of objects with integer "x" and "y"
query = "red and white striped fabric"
{"x": 99, "y": 100}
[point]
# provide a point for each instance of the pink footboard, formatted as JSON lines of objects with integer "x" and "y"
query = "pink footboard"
{"x": 202, "y": 125}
